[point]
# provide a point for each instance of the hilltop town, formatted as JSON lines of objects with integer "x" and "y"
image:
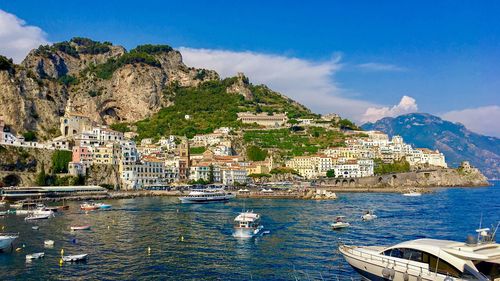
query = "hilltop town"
{"x": 217, "y": 158}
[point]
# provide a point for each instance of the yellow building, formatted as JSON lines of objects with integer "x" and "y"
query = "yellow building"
{"x": 108, "y": 154}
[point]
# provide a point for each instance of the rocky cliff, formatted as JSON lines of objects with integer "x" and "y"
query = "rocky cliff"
{"x": 102, "y": 81}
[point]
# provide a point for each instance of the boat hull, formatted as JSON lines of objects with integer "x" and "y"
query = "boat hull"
{"x": 6, "y": 242}
{"x": 372, "y": 266}
{"x": 241, "y": 232}
{"x": 204, "y": 200}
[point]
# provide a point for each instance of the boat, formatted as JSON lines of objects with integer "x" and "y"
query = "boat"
{"x": 88, "y": 206}
{"x": 48, "y": 243}
{"x": 103, "y": 206}
{"x": 35, "y": 256}
{"x": 35, "y": 227}
{"x": 368, "y": 216}
{"x": 247, "y": 224}
{"x": 83, "y": 227}
{"x": 412, "y": 193}
{"x": 6, "y": 240}
{"x": 207, "y": 196}
{"x": 340, "y": 223}
{"x": 429, "y": 259}
{"x": 74, "y": 258}
{"x": 36, "y": 217}
{"x": 3, "y": 213}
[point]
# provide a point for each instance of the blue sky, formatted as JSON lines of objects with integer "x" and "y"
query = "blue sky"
{"x": 360, "y": 55}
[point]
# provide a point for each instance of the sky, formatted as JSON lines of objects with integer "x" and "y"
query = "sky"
{"x": 362, "y": 59}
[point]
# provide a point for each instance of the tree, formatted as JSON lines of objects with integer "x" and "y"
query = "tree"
{"x": 255, "y": 153}
{"x": 29, "y": 136}
{"x": 330, "y": 173}
{"x": 41, "y": 177}
{"x": 60, "y": 160}
{"x": 211, "y": 174}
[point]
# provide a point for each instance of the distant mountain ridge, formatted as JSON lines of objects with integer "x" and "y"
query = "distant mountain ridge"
{"x": 453, "y": 139}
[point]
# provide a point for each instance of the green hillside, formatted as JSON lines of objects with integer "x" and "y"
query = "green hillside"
{"x": 209, "y": 106}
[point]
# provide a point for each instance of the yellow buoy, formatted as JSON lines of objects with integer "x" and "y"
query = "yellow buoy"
{"x": 18, "y": 249}
{"x": 108, "y": 226}
{"x": 62, "y": 252}
{"x": 61, "y": 262}
{"x": 149, "y": 250}
{"x": 182, "y": 238}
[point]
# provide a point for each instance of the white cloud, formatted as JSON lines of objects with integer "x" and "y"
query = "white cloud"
{"x": 406, "y": 105}
{"x": 308, "y": 82}
{"x": 483, "y": 120}
{"x": 381, "y": 67}
{"x": 17, "y": 38}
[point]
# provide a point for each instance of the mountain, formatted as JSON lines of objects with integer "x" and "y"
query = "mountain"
{"x": 453, "y": 139}
{"x": 115, "y": 86}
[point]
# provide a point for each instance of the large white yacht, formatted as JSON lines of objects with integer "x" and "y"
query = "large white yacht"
{"x": 429, "y": 259}
{"x": 207, "y": 196}
{"x": 6, "y": 240}
{"x": 247, "y": 225}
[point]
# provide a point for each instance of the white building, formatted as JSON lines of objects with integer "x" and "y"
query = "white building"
{"x": 233, "y": 175}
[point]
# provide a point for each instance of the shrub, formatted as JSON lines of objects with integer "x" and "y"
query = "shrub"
{"x": 152, "y": 49}
{"x": 60, "y": 160}
{"x": 67, "y": 80}
{"x": 29, "y": 136}
{"x": 120, "y": 127}
{"x": 106, "y": 70}
{"x": 255, "y": 153}
{"x": 6, "y": 64}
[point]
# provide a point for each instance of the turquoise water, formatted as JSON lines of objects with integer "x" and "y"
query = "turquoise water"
{"x": 301, "y": 245}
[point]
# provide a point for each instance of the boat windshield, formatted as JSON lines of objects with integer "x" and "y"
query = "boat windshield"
{"x": 490, "y": 269}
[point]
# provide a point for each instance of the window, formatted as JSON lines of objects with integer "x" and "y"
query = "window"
{"x": 492, "y": 270}
{"x": 443, "y": 267}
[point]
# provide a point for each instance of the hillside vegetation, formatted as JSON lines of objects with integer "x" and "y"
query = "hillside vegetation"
{"x": 209, "y": 106}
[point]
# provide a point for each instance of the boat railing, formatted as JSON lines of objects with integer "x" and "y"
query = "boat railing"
{"x": 9, "y": 233}
{"x": 389, "y": 261}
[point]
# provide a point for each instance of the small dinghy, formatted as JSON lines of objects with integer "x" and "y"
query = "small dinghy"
{"x": 74, "y": 258}
{"x": 48, "y": 243}
{"x": 368, "y": 216}
{"x": 35, "y": 256}
{"x": 103, "y": 206}
{"x": 35, "y": 227}
{"x": 83, "y": 227}
{"x": 340, "y": 223}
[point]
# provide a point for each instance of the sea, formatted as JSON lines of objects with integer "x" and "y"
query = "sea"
{"x": 157, "y": 238}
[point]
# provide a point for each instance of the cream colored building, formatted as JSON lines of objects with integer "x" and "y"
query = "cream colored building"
{"x": 263, "y": 119}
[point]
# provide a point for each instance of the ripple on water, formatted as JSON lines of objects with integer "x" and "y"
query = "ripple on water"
{"x": 301, "y": 244}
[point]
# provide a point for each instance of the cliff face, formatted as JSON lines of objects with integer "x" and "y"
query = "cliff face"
{"x": 34, "y": 94}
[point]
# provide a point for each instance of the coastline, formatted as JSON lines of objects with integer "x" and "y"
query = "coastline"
{"x": 307, "y": 194}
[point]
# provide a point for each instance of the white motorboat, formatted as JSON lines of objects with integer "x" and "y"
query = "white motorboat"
{"x": 412, "y": 193}
{"x": 368, "y": 216}
{"x": 247, "y": 225}
{"x": 6, "y": 240}
{"x": 35, "y": 256}
{"x": 428, "y": 259}
{"x": 340, "y": 223}
{"x": 48, "y": 243}
{"x": 36, "y": 217}
{"x": 207, "y": 196}
{"x": 74, "y": 258}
